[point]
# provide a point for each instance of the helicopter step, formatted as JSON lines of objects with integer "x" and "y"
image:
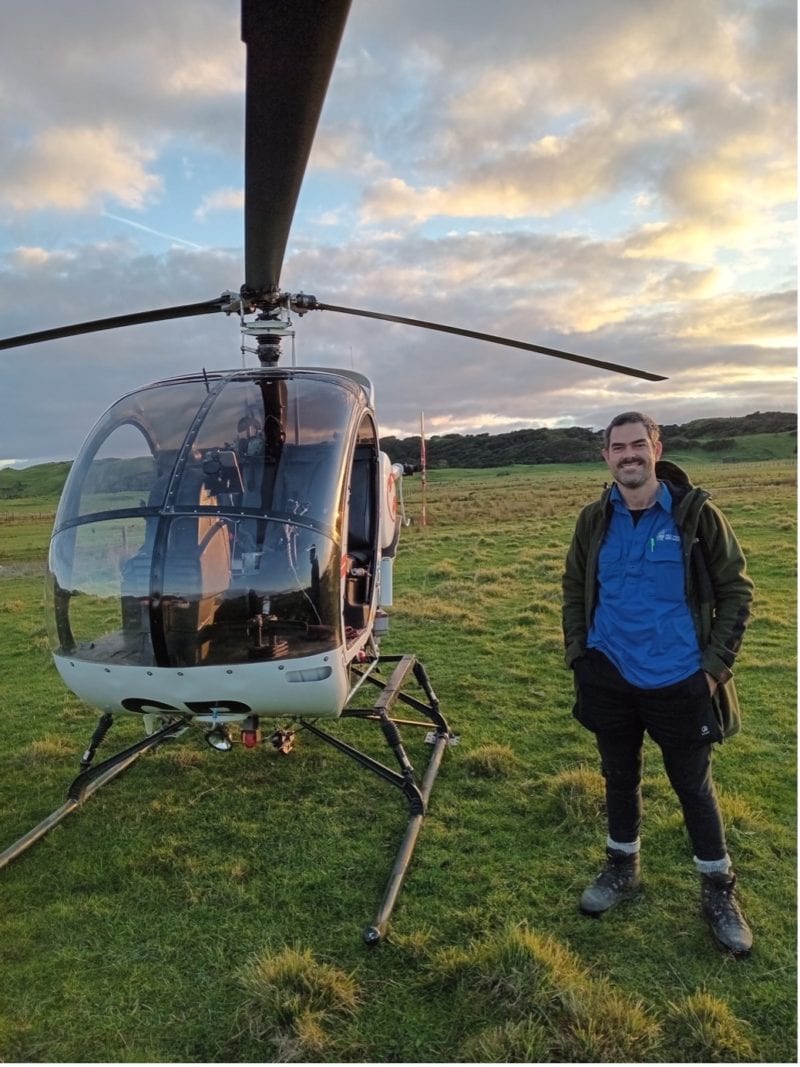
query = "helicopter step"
{"x": 416, "y": 791}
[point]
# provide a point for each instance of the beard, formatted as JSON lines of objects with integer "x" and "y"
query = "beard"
{"x": 633, "y": 474}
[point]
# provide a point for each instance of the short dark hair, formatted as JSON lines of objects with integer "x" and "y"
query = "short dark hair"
{"x": 653, "y": 431}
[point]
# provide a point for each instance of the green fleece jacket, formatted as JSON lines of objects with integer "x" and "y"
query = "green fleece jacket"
{"x": 718, "y": 590}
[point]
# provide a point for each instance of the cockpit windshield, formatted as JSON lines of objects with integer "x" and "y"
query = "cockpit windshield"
{"x": 201, "y": 523}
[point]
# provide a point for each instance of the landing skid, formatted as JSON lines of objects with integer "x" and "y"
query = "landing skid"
{"x": 416, "y": 792}
{"x": 89, "y": 781}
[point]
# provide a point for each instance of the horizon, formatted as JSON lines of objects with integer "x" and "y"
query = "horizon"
{"x": 23, "y": 464}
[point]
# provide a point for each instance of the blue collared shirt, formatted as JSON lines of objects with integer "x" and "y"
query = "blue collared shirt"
{"x": 642, "y": 621}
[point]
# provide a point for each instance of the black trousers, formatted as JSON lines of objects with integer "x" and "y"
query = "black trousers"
{"x": 680, "y": 719}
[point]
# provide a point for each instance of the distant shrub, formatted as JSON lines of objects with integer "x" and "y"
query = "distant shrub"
{"x": 718, "y": 444}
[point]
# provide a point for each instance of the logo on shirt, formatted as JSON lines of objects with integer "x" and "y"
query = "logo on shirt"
{"x": 667, "y": 535}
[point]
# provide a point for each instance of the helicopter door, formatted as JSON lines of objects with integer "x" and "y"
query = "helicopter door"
{"x": 361, "y": 549}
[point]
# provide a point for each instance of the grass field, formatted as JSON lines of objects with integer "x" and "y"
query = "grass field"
{"x": 208, "y": 907}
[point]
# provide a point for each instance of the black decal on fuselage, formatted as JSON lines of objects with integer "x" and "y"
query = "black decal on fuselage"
{"x": 146, "y": 705}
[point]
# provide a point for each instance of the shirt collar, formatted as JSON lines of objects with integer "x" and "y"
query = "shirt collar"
{"x": 663, "y": 497}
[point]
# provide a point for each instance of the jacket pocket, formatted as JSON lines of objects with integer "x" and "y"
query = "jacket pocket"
{"x": 726, "y": 710}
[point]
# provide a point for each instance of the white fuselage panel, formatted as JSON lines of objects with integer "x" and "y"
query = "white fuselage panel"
{"x": 310, "y": 686}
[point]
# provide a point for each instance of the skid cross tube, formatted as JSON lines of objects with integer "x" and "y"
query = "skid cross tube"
{"x": 417, "y": 794}
{"x": 88, "y": 782}
{"x": 409, "y": 787}
{"x": 431, "y": 709}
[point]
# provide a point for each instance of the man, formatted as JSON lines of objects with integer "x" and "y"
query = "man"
{"x": 656, "y": 601}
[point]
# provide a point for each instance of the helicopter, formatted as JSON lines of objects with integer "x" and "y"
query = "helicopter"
{"x": 222, "y": 553}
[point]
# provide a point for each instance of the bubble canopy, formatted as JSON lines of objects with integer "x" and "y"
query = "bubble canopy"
{"x": 201, "y": 522}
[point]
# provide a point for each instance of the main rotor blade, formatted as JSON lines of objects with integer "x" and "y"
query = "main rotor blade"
{"x": 494, "y": 339}
{"x": 291, "y": 50}
{"x": 138, "y": 318}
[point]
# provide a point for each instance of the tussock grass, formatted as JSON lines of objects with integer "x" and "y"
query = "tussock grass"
{"x": 579, "y": 793}
{"x": 491, "y": 761}
{"x": 50, "y": 748}
{"x": 525, "y": 1041}
{"x": 742, "y": 818}
{"x": 547, "y": 1001}
{"x": 180, "y": 756}
{"x": 424, "y": 608}
{"x": 533, "y": 615}
{"x": 704, "y": 1030}
{"x": 416, "y": 945}
{"x": 444, "y": 569}
{"x": 290, "y": 998}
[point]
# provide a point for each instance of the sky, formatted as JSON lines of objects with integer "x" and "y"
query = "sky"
{"x": 611, "y": 177}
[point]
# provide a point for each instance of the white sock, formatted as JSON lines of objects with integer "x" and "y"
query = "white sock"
{"x": 722, "y": 866}
{"x": 630, "y": 848}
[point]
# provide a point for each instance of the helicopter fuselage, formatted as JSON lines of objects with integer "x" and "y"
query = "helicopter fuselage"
{"x": 221, "y": 545}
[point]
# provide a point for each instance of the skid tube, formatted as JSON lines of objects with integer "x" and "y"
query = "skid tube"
{"x": 417, "y": 793}
{"x": 89, "y": 781}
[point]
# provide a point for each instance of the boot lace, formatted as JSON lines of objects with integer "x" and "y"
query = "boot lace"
{"x": 721, "y": 904}
{"x": 615, "y": 876}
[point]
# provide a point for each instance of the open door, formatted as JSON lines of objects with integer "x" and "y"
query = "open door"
{"x": 360, "y": 558}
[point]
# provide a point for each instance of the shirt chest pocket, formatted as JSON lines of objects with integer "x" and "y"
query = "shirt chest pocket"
{"x": 610, "y": 569}
{"x": 664, "y": 568}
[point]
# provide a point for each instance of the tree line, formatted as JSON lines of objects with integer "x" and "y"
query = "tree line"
{"x": 574, "y": 444}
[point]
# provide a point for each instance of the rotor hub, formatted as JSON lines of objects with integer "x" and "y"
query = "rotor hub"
{"x": 268, "y": 329}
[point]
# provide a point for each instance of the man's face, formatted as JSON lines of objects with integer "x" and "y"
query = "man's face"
{"x": 631, "y": 455}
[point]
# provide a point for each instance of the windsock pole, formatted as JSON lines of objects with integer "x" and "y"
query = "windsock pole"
{"x": 423, "y": 462}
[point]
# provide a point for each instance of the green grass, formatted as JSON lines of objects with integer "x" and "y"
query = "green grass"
{"x": 208, "y": 907}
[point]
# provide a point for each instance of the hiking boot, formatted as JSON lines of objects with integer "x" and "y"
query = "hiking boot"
{"x": 618, "y": 880}
{"x": 723, "y": 914}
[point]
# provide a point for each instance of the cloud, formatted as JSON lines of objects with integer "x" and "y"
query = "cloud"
{"x": 74, "y": 169}
{"x": 33, "y": 259}
{"x": 763, "y": 319}
{"x": 546, "y": 176}
{"x": 612, "y": 178}
{"x": 220, "y": 200}
{"x": 685, "y": 109}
